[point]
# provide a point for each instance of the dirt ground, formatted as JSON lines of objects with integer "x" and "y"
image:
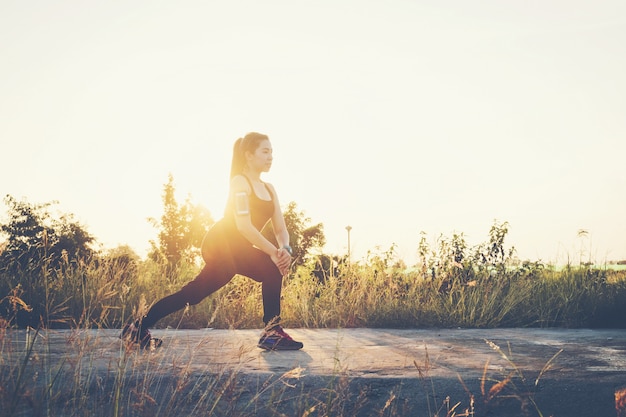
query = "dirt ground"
{"x": 363, "y": 372}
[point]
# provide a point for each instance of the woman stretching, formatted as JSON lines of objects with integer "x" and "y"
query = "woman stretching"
{"x": 235, "y": 245}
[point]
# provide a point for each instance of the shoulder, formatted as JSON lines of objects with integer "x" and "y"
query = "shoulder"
{"x": 270, "y": 186}
{"x": 239, "y": 183}
{"x": 273, "y": 192}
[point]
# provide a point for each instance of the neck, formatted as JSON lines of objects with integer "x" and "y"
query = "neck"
{"x": 253, "y": 175}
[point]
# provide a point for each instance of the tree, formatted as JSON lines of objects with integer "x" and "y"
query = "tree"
{"x": 302, "y": 237}
{"x": 33, "y": 235}
{"x": 37, "y": 244}
{"x": 181, "y": 228}
{"x": 122, "y": 260}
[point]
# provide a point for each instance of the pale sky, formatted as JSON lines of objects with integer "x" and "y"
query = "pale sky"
{"x": 394, "y": 117}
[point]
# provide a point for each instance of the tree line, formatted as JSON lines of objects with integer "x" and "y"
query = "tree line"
{"x": 32, "y": 233}
{"x": 34, "y": 241}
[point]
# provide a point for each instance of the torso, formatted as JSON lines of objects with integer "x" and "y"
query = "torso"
{"x": 261, "y": 204}
{"x": 259, "y": 189}
{"x": 261, "y": 210}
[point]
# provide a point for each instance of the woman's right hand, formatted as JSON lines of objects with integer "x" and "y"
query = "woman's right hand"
{"x": 282, "y": 259}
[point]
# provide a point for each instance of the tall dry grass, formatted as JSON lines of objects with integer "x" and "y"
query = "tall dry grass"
{"x": 446, "y": 290}
{"x": 378, "y": 292}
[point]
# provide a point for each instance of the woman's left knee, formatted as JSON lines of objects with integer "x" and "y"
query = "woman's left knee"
{"x": 275, "y": 277}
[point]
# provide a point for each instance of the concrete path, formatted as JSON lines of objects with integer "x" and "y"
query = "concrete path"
{"x": 511, "y": 371}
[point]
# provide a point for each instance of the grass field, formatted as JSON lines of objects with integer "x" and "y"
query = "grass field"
{"x": 485, "y": 287}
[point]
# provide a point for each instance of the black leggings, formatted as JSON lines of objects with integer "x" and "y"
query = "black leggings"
{"x": 223, "y": 260}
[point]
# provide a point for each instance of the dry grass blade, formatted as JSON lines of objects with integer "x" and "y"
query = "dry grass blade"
{"x": 423, "y": 371}
{"x": 451, "y": 412}
{"x": 308, "y": 412}
{"x": 484, "y": 378}
{"x": 295, "y": 373}
{"x": 390, "y": 400}
{"x": 506, "y": 358}
{"x": 620, "y": 402}
{"x": 467, "y": 391}
{"x": 547, "y": 366}
{"x": 498, "y": 387}
{"x": 17, "y": 301}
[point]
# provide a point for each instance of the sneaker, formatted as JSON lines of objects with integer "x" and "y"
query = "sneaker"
{"x": 133, "y": 333}
{"x": 277, "y": 339}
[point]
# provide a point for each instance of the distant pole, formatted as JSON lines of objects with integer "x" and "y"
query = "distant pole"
{"x": 348, "y": 228}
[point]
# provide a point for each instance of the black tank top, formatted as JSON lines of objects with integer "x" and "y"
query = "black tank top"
{"x": 224, "y": 238}
{"x": 261, "y": 211}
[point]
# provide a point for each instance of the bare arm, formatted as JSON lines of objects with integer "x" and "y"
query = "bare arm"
{"x": 282, "y": 234}
{"x": 239, "y": 193}
{"x": 278, "y": 222}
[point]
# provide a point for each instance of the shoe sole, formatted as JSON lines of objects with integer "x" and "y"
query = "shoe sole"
{"x": 153, "y": 344}
{"x": 265, "y": 347}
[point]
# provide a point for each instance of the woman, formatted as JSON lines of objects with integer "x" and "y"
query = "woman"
{"x": 235, "y": 245}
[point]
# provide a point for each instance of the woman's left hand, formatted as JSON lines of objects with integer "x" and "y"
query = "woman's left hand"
{"x": 284, "y": 261}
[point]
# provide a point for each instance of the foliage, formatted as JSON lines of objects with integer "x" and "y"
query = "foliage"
{"x": 51, "y": 278}
{"x": 324, "y": 266}
{"x": 303, "y": 237}
{"x": 181, "y": 228}
{"x": 38, "y": 244}
{"x": 33, "y": 235}
{"x": 454, "y": 263}
{"x": 453, "y": 286}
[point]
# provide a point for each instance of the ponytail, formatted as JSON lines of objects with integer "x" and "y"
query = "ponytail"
{"x": 248, "y": 143}
{"x": 238, "y": 162}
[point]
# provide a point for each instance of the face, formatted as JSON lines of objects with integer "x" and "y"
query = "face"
{"x": 261, "y": 159}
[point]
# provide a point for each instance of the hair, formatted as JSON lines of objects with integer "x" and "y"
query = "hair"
{"x": 248, "y": 143}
